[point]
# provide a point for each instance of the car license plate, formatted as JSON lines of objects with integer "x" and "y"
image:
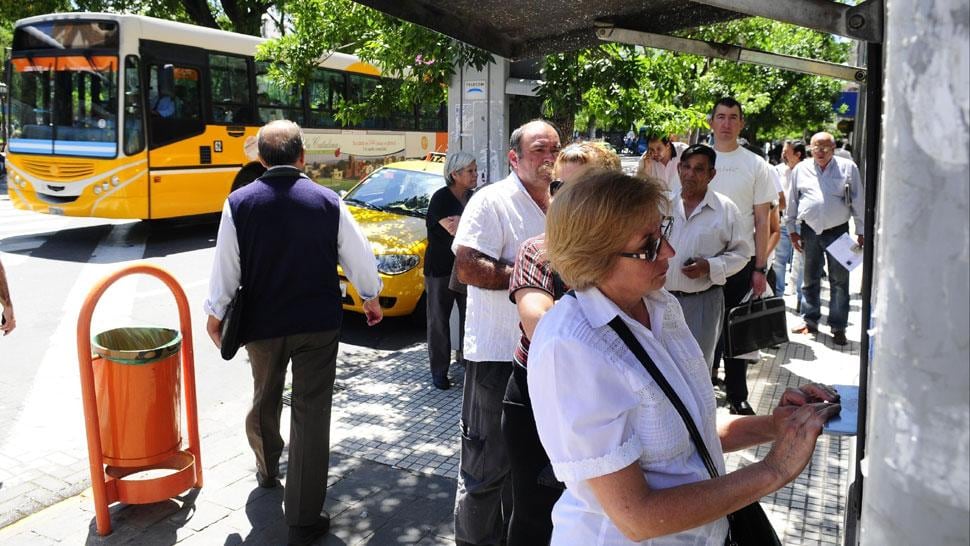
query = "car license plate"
{"x": 343, "y": 290}
{"x": 56, "y": 211}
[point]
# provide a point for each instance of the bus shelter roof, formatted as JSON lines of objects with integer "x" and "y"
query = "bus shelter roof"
{"x": 518, "y": 30}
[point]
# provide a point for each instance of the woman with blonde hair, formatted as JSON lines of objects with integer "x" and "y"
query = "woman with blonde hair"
{"x": 621, "y": 392}
{"x": 534, "y": 287}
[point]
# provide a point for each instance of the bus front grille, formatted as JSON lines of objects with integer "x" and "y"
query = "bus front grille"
{"x": 58, "y": 171}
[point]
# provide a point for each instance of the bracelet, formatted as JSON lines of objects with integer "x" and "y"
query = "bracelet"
{"x": 762, "y": 270}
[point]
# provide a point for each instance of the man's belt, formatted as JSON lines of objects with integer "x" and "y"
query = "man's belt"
{"x": 680, "y": 294}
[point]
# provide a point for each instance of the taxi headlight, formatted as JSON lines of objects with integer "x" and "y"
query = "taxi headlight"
{"x": 395, "y": 264}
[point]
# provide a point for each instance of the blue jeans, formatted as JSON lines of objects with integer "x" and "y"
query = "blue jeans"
{"x": 813, "y": 245}
{"x": 783, "y": 256}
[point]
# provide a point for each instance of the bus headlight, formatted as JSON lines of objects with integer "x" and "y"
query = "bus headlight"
{"x": 97, "y": 190}
{"x": 105, "y": 186}
{"x": 115, "y": 181}
{"x": 395, "y": 264}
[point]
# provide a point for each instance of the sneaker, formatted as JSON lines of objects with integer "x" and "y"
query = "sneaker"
{"x": 304, "y": 535}
{"x": 740, "y": 408}
{"x": 805, "y": 328}
{"x": 838, "y": 337}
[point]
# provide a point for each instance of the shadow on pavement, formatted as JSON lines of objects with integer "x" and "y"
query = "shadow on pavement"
{"x": 391, "y": 334}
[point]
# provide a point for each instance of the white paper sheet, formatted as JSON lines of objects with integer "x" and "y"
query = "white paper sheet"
{"x": 846, "y": 251}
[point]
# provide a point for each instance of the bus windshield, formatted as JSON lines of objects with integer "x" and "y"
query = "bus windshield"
{"x": 64, "y": 105}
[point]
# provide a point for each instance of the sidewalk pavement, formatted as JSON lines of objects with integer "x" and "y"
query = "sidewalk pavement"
{"x": 395, "y": 458}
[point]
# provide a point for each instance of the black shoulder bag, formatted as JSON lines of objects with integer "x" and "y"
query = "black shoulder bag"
{"x": 231, "y": 325}
{"x": 749, "y": 526}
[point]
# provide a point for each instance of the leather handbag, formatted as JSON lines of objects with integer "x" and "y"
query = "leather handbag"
{"x": 749, "y": 526}
{"x": 756, "y": 324}
{"x": 231, "y": 325}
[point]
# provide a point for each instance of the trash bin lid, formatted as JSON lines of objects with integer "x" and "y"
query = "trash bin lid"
{"x": 137, "y": 344}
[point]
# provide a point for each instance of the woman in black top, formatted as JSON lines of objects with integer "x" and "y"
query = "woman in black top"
{"x": 447, "y": 204}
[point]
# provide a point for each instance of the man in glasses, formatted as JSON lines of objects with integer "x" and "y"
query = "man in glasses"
{"x": 745, "y": 179}
{"x": 710, "y": 246}
{"x": 824, "y": 193}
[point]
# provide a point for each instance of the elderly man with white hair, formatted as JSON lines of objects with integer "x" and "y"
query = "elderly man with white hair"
{"x": 824, "y": 193}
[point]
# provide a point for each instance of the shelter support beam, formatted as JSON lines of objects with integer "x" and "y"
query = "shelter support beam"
{"x": 862, "y": 22}
{"x": 732, "y": 53}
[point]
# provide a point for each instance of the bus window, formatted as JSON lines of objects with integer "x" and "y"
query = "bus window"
{"x": 272, "y": 102}
{"x": 327, "y": 87}
{"x": 432, "y": 118}
{"x": 360, "y": 89}
{"x": 134, "y": 122}
{"x": 230, "y": 89}
{"x": 174, "y": 103}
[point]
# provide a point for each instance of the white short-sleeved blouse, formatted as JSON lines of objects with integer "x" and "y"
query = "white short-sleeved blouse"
{"x": 598, "y": 410}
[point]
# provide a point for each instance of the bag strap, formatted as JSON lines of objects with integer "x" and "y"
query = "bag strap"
{"x": 638, "y": 351}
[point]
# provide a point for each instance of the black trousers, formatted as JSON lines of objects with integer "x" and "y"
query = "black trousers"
{"x": 531, "y": 521}
{"x": 735, "y": 369}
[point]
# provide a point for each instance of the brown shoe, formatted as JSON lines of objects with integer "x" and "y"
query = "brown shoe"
{"x": 805, "y": 329}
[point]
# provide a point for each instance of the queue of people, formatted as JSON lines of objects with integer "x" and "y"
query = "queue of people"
{"x": 592, "y": 306}
{"x": 591, "y": 449}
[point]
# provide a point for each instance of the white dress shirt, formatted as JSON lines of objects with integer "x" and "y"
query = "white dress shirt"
{"x": 713, "y": 232}
{"x": 354, "y": 254}
{"x": 598, "y": 410}
{"x": 826, "y": 198}
{"x": 497, "y": 219}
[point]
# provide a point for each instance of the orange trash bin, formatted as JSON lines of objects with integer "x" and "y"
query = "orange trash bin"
{"x": 135, "y": 382}
{"x": 138, "y": 387}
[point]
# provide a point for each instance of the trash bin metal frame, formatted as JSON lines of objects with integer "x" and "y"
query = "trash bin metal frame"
{"x": 108, "y": 483}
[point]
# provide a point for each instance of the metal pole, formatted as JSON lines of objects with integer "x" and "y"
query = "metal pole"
{"x": 871, "y": 148}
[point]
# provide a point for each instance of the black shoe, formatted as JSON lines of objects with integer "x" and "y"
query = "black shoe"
{"x": 267, "y": 482}
{"x": 441, "y": 382}
{"x": 304, "y": 535}
{"x": 838, "y": 337}
{"x": 740, "y": 408}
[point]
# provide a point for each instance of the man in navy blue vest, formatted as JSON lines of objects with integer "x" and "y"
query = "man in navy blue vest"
{"x": 281, "y": 238}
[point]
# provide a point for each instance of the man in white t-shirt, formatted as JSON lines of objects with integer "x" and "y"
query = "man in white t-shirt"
{"x": 745, "y": 179}
{"x": 497, "y": 219}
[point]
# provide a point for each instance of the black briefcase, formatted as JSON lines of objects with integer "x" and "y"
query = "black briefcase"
{"x": 231, "y": 324}
{"x": 757, "y": 324}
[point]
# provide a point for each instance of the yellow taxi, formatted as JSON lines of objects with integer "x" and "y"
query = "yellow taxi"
{"x": 390, "y": 205}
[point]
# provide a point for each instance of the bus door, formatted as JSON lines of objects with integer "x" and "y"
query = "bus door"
{"x": 180, "y": 154}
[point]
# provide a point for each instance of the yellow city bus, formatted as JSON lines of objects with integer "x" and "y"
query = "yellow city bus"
{"x": 124, "y": 116}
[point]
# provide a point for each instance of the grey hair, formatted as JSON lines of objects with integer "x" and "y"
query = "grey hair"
{"x": 280, "y": 142}
{"x": 456, "y": 161}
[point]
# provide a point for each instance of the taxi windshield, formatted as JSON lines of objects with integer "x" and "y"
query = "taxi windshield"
{"x": 396, "y": 190}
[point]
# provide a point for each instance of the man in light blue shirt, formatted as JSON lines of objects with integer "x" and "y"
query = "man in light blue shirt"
{"x": 824, "y": 193}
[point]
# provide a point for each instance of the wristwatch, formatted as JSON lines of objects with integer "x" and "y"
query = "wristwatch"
{"x": 762, "y": 270}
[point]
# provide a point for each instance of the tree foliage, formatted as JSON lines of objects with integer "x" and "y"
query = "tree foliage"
{"x": 618, "y": 87}
{"x": 416, "y": 64}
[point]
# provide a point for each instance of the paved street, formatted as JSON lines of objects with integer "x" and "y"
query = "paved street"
{"x": 394, "y": 439}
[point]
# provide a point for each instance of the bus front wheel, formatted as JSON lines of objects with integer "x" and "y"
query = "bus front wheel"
{"x": 247, "y": 174}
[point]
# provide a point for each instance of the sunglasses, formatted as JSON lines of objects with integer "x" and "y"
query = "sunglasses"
{"x": 650, "y": 250}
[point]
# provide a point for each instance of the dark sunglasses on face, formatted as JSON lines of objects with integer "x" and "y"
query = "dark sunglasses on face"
{"x": 651, "y": 249}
